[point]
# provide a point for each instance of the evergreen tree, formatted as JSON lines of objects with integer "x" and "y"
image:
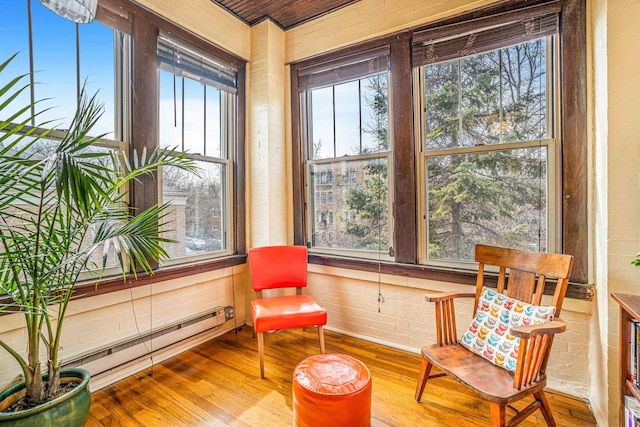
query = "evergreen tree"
{"x": 499, "y": 196}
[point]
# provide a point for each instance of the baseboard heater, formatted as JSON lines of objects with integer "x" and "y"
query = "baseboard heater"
{"x": 222, "y": 314}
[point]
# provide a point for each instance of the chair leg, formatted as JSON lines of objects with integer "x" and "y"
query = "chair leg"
{"x": 498, "y": 415}
{"x": 425, "y": 370}
{"x": 321, "y": 335}
{"x": 545, "y": 408}
{"x": 261, "y": 352}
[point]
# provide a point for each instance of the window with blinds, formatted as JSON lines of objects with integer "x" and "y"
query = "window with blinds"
{"x": 488, "y": 122}
{"x": 197, "y": 116}
{"x": 345, "y": 126}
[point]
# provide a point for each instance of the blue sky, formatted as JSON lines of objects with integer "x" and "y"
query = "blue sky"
{"x": 55, "y": 59}
{"x": 347, "y": 121}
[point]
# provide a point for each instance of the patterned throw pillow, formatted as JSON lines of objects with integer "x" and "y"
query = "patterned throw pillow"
{"x": 489, "y": 333}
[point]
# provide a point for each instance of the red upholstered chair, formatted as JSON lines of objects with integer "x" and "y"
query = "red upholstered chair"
{"x": 275, "y": 267}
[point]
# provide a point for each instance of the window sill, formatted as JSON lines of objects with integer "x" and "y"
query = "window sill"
{"x": 578, "y": 291}
{"x": 117, "y": 283}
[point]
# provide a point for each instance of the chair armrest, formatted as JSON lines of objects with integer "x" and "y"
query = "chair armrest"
{"x": 445, "y": 315}
{"x": 554, "y": 327}
{"x": 445, "y": 296}
{"x": 533, "y": 353}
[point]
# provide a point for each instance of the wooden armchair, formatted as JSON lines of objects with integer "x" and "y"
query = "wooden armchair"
{"x": 528, "y": 272}
{"x": 274, "y": 267}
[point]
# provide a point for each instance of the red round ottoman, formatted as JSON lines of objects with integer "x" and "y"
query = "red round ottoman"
{"x": 331, "y": 390}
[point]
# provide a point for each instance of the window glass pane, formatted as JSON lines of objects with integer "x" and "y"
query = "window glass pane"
{"x": 197, "y": 214}
{"x": 321, "y": 125}
{"x": 524, "y": 92}
{"x": 170, "y": 111}
{"x": 213, "y": 122}
{"x": 480, "y": 99}
{"x": 14, "y": 37}
{"x": 375, "y": 114}
{"x": 496, "y": 97}
{"x": 204, "y": 126}
{"x": 97, "y": 67}
{"x": 54, "y": 61}
{"x": 347, "y": 122}
{"x": 495, "y": 197}
{"x": 442, "y": 102}
{"x": 193, "y": 118}
{"x": 55, "y": 68}
{"x": 349, "y": 201}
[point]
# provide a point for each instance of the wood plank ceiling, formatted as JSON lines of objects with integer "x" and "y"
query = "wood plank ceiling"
{"x": 285, "y": 13}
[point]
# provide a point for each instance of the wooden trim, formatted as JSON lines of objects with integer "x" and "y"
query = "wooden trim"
{"x": 239, "y": 168}
{"x": 297, "y": 168}
{"x": 404, "y": 153}
{"x": 144, "y": 114}
{"x": 573, "y": 77}
{"x": 464, "y": 277}
{"x": 114, "y": 17}
{"x": 118, "y": 283}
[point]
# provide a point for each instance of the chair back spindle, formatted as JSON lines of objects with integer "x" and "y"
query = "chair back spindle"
{"x": 446, "y": 320}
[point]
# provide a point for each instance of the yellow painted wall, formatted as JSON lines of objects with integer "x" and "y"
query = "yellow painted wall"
{"x": 617, "y": 126}
{"x": 208, "y": 20}
{"x": 598, "y": 100}
{"x": 368, "y": 19}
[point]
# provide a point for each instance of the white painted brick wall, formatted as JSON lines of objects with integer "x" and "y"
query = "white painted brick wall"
{"x": 98, "y": 322}
{"x": 266, "y": 143}
{"x": 407, "y": 321}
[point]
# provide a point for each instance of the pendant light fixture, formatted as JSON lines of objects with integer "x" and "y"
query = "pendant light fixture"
{"x": 79, "y": 11}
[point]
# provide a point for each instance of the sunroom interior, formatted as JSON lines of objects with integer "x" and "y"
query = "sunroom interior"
{"x": 319, "y": 125}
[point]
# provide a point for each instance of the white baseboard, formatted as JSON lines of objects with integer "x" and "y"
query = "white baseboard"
{"x": 374, "y": 340}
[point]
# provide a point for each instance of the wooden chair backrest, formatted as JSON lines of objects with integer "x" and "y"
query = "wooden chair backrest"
{"x": 278, "y": 267}
{"x": 524, "y": 274}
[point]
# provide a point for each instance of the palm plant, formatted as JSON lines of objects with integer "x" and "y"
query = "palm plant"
{"x": 63, "y": 213}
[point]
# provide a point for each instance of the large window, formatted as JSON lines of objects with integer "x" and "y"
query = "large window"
{"x": 488, "y": 141}
{"x": 198, "y": 117}
{"x": 191, "y": 103}
{"x": 346, "y": 128}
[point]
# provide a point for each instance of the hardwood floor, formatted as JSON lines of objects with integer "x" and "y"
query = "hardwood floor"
{"x": 218, "y": 384}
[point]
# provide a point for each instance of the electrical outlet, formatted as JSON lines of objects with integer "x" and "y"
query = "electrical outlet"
{"x": 229, "y": 313}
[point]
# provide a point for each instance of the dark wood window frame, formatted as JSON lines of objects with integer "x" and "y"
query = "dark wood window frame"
{"x": 573, "y": 136}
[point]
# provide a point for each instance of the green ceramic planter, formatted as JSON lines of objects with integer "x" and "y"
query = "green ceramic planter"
{"x": 70, "y": 410}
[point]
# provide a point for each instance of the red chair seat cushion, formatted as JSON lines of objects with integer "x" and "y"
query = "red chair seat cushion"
{"x": 285, "y": 312}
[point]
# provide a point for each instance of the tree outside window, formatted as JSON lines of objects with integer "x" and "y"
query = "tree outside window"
{"x": 488, "y": 139}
